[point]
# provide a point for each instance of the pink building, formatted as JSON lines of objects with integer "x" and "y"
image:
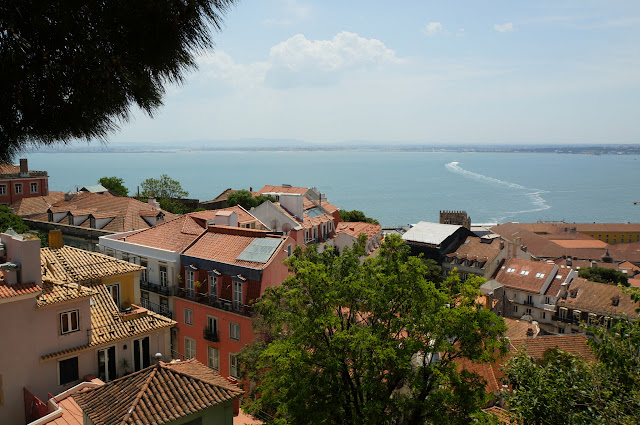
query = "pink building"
{"x": 17, "y": 182}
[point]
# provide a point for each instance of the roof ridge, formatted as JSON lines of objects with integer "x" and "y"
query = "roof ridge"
{"x": 204, "y": 232}
{"x": 227, "y": 385}
{"x": 140, "y": 394}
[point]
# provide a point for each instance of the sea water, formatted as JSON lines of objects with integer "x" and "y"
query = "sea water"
{"x": 397, "y": 188}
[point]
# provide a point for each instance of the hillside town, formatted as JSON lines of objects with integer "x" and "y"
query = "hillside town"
{"x": 122, "y": 312}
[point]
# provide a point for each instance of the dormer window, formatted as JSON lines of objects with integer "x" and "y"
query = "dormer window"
{"x": 615, "y": 301}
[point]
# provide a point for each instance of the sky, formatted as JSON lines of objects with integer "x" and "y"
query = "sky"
{"x": 428, "y": 72}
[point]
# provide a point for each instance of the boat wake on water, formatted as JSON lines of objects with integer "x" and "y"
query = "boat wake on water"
{"x": 533, "y": 195}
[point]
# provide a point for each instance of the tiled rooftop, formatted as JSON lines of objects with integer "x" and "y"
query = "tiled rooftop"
{"x": 108, "y": 325}
{"x": 283, "y": 189}
{"x": 28, "y": 207}
{"x": 479, "y": 249}
{"x": 18, "y": 289}
{"x": 156, "y": 395}
{"x": 599, "y": 298}
{"x": 69, "y": 264}
{"x": 356, "y": 228}
{"x": 535, "y": 347}
{"x": 524, "y": 275}
{"x": 57, "y": 292}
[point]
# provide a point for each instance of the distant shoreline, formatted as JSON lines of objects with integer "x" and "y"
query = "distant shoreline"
{"x": 570, "y": 150}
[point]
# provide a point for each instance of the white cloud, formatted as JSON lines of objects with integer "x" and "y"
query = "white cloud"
{"x": 432, "y": 28}
{"x": 507, "y": 27}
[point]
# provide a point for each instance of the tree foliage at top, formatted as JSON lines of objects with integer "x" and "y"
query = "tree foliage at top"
{"x": 246, "y": 199}
{"x": 115, "y": 185}
{"x": 345, "y": 342}
{"x": 72, "y": 69}
{"x": 565, "y": 389}
{"x": 356, "y": 215}
{"x": 163, "y": 187}
{"x": 604, "y": 275}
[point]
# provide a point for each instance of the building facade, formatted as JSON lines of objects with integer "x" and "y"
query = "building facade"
{"x": 17, "y": 182}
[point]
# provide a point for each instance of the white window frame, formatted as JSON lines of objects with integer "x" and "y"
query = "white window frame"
{"x": 32, "y": 185}
{"x": 314, "y": 233}
{"x": 106, "y": 363}
{"x": 164, "y": 281}
{"x": 213, "y": 358}
{"x": 547, "y": 300}
{"x": 233, "y": 366}
{"x": 234, "y": 331}
{"x": 66, "y": 316}
{"x": 515, "y": 308}
{"x": 212, "y": 320}
{"x": 511, "y": 270}
{"x": 289, "y": 250}
{"x": 189, "y": 348}
{"x": 117, "y": 290}
{"x": 3, "y": 189}
{"x": 144, "y": 274}
{"x": 15, "y": 188}
{"x": 188, "y": 316}
{"x": 213, "y": 285}
{"x": 237, "y": 296}
{"x": 190, "y": 283}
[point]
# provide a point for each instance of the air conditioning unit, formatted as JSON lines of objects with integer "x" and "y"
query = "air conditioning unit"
{"x": 218, "y": 304}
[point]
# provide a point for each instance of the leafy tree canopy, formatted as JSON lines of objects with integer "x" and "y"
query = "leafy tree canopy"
{"x": 115, "y": 185}
{"x": 246, "y": 199}
{"x": 163, "y": 187}
{"x": 356, "y": 215}
{"x": 604, "y": 275}
{"x": 565, "y": 389}
{"x": 345, "y": 342}
{"x": 73, "y": 69}
{"x": 9, "y": 219}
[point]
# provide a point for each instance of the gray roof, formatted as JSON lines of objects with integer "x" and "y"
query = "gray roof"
{"x": 96, "y": 188}
{"x": 430, "y": 233}
{"x": 260, "y": 250}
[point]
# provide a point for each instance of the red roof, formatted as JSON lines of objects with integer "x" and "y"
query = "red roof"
{"x": 355, "y": 228}
{"x": 174, "y": 235}
{"x": 283, "y": 189}
{"x": 15, "y": 290}
{"x": 525, "y": 274}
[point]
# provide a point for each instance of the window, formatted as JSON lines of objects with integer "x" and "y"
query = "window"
{"x": 107, "y": 364}
{"x": 213, "y": 358}
{"x": 234, "y": 331}
{"x": 237, "y": 296}
{"x": 213, "y": 285}
{"x": 189, "y": 348}
{"x": 315, "y": 233}
{"x": 563, "y": 313}
{"x": 18, "y": 188}
{"x": 144, "y": 299}
{"x": 190, "y": 283}
{"x": 163, "y": 276}
{"x": 330, "y": 226}
{"x": 188, "y": 316}
{"x": 544, "y": 315}
{"x": 306, "y": 236}
{"x": 3, "y": 189}
{"x": 233, "y": 366}
{"x": 524, "y": 272}
{"x": 164, "y": 305}
{"x": 34, "y": 187}
{"x": 69, "y": 322}
{"x": 530, "y": 299}
{"x": 68, "y": 371}
{"x": 560, "y": 330}
{"x": 114, "y": 290}
{"x": 547, "y": 300}
{"x": 289, "y": 250}
{"x": 324, "y": 230}
{"x": 528, "y": 311}
{"x": 511, "y": 270}
{"x": 144, "y": 275}
{"x": 540, "y": 275}
{"x": 515, "y": 308}
{"x": 141, "y": 354}
{"x": 515, "y": 295}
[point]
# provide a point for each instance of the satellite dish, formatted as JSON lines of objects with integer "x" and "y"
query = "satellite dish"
{"x": 286, "y": 228}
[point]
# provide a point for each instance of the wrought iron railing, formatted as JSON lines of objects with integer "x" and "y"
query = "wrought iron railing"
{"x": 210, "y": 335}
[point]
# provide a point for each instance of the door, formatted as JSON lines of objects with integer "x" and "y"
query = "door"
{"x": 107, "y": 364}
{"x": 114, "y": 290}
{"x": 141, "y": 355}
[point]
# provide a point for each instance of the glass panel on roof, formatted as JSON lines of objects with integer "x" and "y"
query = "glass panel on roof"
{"x": 259, "y": 250}
{"x": 314, "y": 212}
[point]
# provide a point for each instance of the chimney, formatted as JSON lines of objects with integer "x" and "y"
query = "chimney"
{"x": 153, "y": 203}
{"x": 594, "y": 264}
{"x": 23, "y": 258}
{"x": 55, "y": 239}
{"x": 293, "y": 203}
{"x": 24, "y": 167}
{"x": 569, "y": 262}
{"x": 516, "y": 246}
{"x": 226, "y": 218}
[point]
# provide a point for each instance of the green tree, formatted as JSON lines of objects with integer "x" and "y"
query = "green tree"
{"x": 565, "y": 389}
{"x": 604, "y": 275}
{"x": 73, "y": 69}
{"x": 11, "y": 220}
{"x": 356, "y": 215}
{"x": 163, "y": 187}
{"x": 345, "y": 342}
{"x": 115, "y": 185}
{"x": 246, "y": 199}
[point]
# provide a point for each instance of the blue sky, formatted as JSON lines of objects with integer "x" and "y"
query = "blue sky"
{"x": 433, "y": 72}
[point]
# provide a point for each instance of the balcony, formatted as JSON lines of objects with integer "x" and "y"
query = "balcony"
{"x": 156, "y": 308}
{"x": 210, "y": 335}
{"x": 158, "y": 289}
{"x": 214, "y": 301}
{"x": 564, "y": 319}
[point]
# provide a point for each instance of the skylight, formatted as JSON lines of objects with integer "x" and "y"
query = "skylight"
{"x": 540, "y": 275}
{"x": 524, "y": 272}
{"x": 511, "y": 270}
{"x": 259, "y": 250}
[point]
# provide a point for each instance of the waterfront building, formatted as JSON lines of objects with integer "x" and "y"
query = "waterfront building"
{"x": 435, "y": 240}
{"x": 18, "y": 182}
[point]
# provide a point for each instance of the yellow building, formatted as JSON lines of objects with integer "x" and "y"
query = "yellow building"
{"x": 611, "y": 233}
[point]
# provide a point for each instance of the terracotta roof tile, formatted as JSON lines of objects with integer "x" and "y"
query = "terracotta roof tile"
{"x": 354, "y": 228}
{"x": 282, "y": 189}
{"x": 57, "y": 292}
{"x": 598, "y": 298}
{"x": 517, "y": 329}
{"x": 580, "y": 243}
{"x": 28, "y": 207}
{"x": 156, "y": 395}
{"x": 479, "y": 249}
{"x": 9, "y": 168}
{"x": 535, "y": 347}
{"x": 607, "y": 227}
{"x": 18, "y": 289}
{"x": 169, "y": 235}
{"x": 69, "y": 264}
{"x": 504, "y": 416}
{"x": 521, "y": 274}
